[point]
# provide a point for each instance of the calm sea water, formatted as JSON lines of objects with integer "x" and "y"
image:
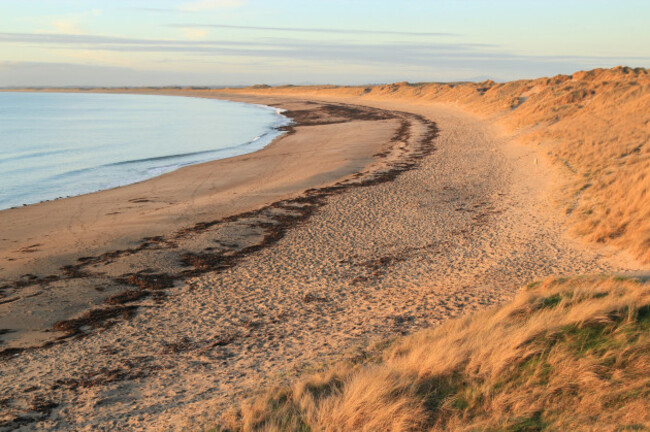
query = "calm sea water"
{"x": 64, "y": 144}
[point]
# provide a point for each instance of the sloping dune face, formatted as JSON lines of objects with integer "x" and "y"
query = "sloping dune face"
{"x": 596, "y": 124}
{"x": 565, "y": 354}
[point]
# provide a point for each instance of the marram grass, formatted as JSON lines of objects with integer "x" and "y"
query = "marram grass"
{"x": 565, "y": 354}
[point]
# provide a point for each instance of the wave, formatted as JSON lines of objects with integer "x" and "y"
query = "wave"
{"x": 185, "y": 155}
{"x": 34, "y": 154}
{"x": 179, "y": 158}
{"x": 70, "y": 162}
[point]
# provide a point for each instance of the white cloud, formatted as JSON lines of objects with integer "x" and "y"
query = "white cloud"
{"x": 202, "y": 5}
{"x": 73, "y": 24}
{"x": 67, "y": 26}
{"x": 195, "y": 34}
{"x": 98, "y": 58}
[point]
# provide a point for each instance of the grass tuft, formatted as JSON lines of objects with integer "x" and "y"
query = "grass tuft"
{"x": 566, "y": 354}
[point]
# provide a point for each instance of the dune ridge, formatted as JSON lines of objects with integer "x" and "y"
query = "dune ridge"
{"x": 596, "y": 124}
{"x": 565, "y": 354}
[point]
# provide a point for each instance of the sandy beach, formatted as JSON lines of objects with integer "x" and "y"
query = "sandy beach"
{"x": 65, "y": 249}
{"x": 157, "y": 305}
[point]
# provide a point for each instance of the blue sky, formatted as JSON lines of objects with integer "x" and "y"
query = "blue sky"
{"x": 237, "y": 42}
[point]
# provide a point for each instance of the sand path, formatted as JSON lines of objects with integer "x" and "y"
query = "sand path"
{"x": 460, "y": 231}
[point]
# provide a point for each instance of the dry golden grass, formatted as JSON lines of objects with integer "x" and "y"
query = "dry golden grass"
{"x": 566, "y": 354}
{"x": 596, "y": 124}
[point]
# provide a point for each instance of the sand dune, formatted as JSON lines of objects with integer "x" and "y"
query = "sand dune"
{"x": 426, "y": 211}
{"x": 564, "y": 355}
{"x": 595, "y": 124}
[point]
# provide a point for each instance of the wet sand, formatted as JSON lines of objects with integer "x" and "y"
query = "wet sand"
{"x": 365, "y": 223}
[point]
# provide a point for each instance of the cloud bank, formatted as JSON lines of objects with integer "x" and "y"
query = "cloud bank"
{"x": 283, "y": 60}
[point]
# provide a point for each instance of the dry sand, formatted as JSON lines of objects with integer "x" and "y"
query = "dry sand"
{"x": 427, "y": 228}
{"x": 594, "y": 125}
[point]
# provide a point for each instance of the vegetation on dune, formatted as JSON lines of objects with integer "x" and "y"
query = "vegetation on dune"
{"x": 595, "y": 124}
{"x": 566, "y": 354}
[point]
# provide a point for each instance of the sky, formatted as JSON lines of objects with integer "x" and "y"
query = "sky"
{"x": 243, "y": 42}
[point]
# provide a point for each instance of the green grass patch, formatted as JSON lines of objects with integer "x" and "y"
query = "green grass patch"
{"x": 551, "y": 301}
{"x": 586, "y": 338}
{"x": 533, "y": 423}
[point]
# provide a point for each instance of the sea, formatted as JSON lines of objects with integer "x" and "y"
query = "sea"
{"x": 55, "y": 145}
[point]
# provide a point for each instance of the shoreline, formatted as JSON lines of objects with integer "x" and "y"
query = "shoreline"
{"x": 67, "y": 277}
{"x": 279, "y": 126}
